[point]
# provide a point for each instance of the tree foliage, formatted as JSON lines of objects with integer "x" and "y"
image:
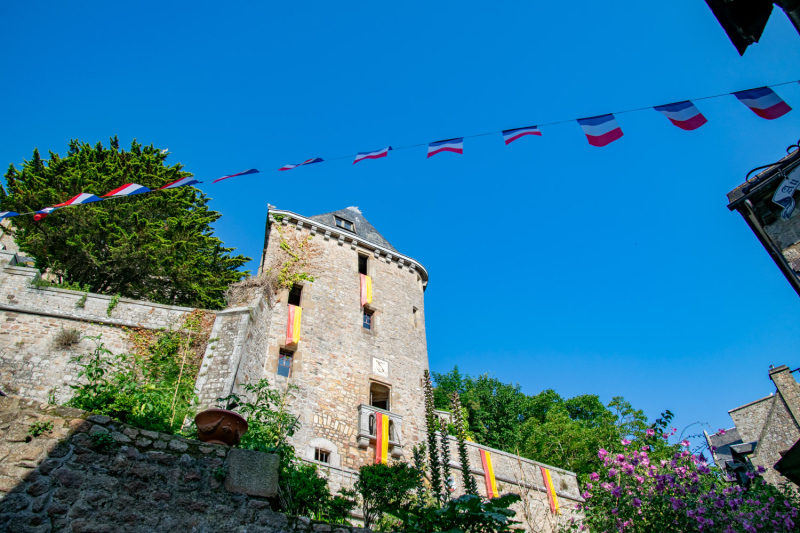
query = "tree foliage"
{"x": 158, "y": 247}
{"x": 546, "y": 427}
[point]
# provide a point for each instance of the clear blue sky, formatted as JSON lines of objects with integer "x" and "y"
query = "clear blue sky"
{"x": 615, "y": 271}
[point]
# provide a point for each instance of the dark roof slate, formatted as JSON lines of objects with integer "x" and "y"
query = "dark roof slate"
{"x": 364, "y": 229}
{"x": 723, "y": 444}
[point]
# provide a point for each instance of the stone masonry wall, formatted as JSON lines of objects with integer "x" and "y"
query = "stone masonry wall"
{"x": 147, "y": 482}
{"x": 749, "y": 419}
{"x": 31, "y": 364}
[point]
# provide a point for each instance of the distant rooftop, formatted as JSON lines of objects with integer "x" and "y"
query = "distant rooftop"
{"x": 360, "y": 225}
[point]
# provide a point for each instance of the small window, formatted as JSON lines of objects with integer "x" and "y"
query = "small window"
{"x": 379, "y": 396}
{"x": 295, "y": 294}
{"x": 415, "y": 313}
{"x": 362, "y": 264}
{"x": 323, "y": 456}
{"x": 285, "y": 363}
{"x": 371, "y": 424}
{"x": 368, "y": 318}
{"x": 345, "y": 224}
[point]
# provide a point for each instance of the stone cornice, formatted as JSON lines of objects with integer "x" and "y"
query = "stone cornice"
{"x": 315, "y": 227}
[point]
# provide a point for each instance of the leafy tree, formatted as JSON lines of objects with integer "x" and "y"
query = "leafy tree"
{"x": 158, "y": 246}
{"x": 385, "y": 488}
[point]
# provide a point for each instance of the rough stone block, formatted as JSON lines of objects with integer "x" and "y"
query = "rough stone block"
{"x": 99, "y": 419}
{"x": 252, "y": 473}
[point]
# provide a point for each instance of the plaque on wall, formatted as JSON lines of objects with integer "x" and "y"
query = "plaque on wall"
{"x": 380, "y": 367}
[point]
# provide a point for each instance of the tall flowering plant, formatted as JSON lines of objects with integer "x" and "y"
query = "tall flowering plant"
{"x": 630, "y": 493}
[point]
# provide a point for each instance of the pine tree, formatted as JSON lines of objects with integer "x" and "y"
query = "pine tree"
{"x": 432, "y": 427}
{"x": 158, "y": 246}
{"x": 470, "y": 487}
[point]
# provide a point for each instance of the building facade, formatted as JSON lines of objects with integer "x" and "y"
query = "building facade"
{"x": 764, "y": 431}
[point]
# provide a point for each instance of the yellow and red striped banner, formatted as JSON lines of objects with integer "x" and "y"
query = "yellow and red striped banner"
{"x": 366, "y": 290}
{"x": 488, "y": 475}
{"x": 293, "y": 324}
{"x": 382, "y": 438}
{"x": 551, "y": 490}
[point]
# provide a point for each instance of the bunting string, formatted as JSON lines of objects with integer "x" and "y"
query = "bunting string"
{"x": 600, "y": 131}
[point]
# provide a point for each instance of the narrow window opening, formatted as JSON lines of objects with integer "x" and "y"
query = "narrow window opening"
{"x": 415, "y": 313}
{"x": 392, "y": 436}
{"x": 323, "y": 456}
{"x": 295, "y": 294}
{"x": 345, "y": 224}
{"x": 285, "y": 363}
{"x": 362, "y": 264}
{"x": 369, "y": 316}
{"x": 379, "y": 396}
{"x": 371, "y": 424}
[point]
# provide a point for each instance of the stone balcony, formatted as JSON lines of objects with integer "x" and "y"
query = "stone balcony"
{"x": 366, "y": 429}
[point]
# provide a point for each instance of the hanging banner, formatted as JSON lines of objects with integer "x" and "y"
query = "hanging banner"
{"x": 488, "y": 475}
{"x": 366, "y": 290}
{"x": 293, "y": 324}
{"x": 551, "y": 491}
{"x": 381, "y": 438}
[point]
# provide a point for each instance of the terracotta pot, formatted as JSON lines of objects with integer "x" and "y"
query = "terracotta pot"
{"x": 220, "y": 426}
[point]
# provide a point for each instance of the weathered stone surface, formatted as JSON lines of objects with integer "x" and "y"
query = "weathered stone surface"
{"x": 252, "y": 473}
{"x": 99, "y": 419}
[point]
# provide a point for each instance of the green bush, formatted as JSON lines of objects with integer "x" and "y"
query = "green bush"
{"x": 385, "y": 488}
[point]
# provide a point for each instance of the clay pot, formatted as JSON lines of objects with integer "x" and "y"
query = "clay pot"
{"x": 220, "y": 426}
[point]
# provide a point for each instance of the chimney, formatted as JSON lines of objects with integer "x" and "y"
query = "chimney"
{"x": 788, "y": 388}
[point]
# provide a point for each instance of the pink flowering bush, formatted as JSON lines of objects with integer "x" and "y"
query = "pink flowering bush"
{"x": 632, "y": 493}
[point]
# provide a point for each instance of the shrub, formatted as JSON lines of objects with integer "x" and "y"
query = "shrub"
{"x": 103, "y": 442}
{"x": 384, "y": 488}
{"x": 40, "y": 428}
{"x": 632, "y": 493}
{"x": 67, "y": 337}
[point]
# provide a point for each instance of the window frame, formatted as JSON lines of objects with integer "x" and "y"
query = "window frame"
{"x": 284, "y": 354}
{"x": 319, "y": 453}
{"x": 340, "y": 222}
{"x": 368, "y": 314}
{"x": 299, "y": 295}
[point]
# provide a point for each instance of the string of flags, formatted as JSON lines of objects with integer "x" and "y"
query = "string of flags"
{"x": 600, "y": 130}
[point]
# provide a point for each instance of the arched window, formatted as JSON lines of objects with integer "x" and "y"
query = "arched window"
{"x": 379, "y": 396}
{"x": 371, "y": 424}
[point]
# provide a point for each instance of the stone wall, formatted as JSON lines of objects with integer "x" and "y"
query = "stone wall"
{"x": 146, "y": 482}
{"x": 31, "y": 364}
{"x": 749, "y": 419}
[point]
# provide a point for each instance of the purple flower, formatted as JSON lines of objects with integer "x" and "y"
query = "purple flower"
{"x": 594, "y": 476}
{"x": 636, "y": 502}
{"x": 625, "y": 442}
{"x": 612, "y": 472}
{"x": 685, "y": 442}
{"x": 761, "y": 469}
{"x": 651, "y": 432}
{"x": 602, "y": 453}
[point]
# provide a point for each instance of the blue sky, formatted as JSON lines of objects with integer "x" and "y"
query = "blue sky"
{"x": 614, "y": 271}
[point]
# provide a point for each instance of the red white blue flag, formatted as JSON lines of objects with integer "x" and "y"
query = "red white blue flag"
{"x": 246, "y": 172}
{"x": 601, "y": 130}
{"x": 509, "y": 136}
{"x": 8, "y": 214}
{"x": 306, "y": 162}
{"x": 82, "y": 198}
{"x": 451, "y": 145}
{"x": 377, "y": 154}
{"x": 683, "y": 114}
{"x": 129, "y": 189}
{"x": 188, "y": 180}
{"x": 43, "y": 213}
{"x": 764, "y": 102}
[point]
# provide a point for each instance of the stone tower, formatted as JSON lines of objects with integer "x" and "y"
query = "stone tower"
{"x": 351, "y": 361}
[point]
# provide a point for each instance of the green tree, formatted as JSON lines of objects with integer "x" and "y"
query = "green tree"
{"x": 159, "y": 246}
{"x": 385, "y": 488}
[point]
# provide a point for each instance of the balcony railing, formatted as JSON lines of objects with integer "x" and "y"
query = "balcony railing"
{"x": 366, "y": 429}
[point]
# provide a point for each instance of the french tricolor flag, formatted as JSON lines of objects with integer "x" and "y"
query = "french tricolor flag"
{"x": 188, "y": 180}
{"x": 129, "y": 189}
{"x": 509, "y": 136}
{"x": 377, "y": 154}
{"x": 246, "y": 172}
{"x": 82, "y": 198}
{"x": 43, "y": 213}
{"x": 451, "y": 145}
{"x": 306, "y": 162}
{"x": 601, "y": 130}
{"x": 683, "y": 114}
{"x": 764, "y": 102}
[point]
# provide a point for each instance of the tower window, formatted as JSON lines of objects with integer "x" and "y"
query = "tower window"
{"x": 323, "y": 456}
{"x": 295, "y": 294}
{"x": 379, "y": 396}
{"x": 369, "y": 316}
{"x": 415, "y": 313}
{"x": 362, "y": 264}
{"x": 345, "y": 224}
{"x": 285, "y": 363}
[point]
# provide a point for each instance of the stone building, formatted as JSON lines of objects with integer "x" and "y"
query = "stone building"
{"x": 766, "y": 202}
{"x": 350, "y": 362}
{"x": 764, "y": 431}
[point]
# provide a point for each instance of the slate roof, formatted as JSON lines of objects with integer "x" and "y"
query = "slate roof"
{"x": 723, "y": 444}
{"x": 363, "y": 228}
